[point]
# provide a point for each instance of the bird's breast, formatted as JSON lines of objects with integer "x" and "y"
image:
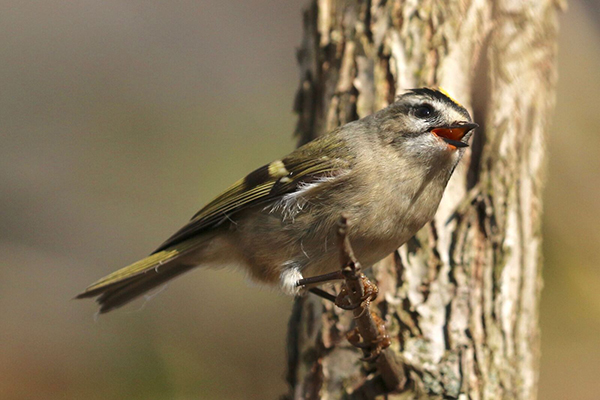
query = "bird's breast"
{"x": 393, "y": 211}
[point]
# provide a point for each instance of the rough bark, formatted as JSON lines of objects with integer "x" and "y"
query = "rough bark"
{"x": 460, "y": 300}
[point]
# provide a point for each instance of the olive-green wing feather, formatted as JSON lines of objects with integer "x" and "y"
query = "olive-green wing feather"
{"x": 309, "y": 162}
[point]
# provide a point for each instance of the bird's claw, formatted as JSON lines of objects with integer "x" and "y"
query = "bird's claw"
{"x": 343, "y": 299}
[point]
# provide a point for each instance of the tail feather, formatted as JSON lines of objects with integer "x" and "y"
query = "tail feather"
{"x": 122, "y": 294}
{"x": 126, "y": 284}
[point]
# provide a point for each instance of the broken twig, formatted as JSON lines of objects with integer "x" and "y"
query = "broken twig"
{"x": 370, "y": 334}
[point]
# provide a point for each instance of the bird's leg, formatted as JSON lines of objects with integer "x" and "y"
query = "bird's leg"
{"x": 323, "y": 294}
{"x": 313, "y": 280}
{"x": 332, "y": 276}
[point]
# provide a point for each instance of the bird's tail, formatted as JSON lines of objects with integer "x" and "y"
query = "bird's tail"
{"x": 126, "y": 284}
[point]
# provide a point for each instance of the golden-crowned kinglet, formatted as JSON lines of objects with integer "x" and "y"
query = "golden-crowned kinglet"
{"x": 386, "y": 173}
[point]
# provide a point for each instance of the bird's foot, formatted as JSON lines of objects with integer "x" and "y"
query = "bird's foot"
{"x": 346, "y": 299}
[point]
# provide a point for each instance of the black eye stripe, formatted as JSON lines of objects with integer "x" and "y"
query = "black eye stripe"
{"x": 424, "y": 110}
{"x": 436, "y": 94}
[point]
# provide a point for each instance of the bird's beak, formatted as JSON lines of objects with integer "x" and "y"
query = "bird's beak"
{"x": 452, "y": 134}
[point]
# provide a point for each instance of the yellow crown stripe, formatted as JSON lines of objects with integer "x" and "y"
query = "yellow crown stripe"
{"x": 442, "y": 90}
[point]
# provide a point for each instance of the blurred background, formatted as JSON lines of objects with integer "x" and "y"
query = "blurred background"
{"x": 118, "y": 120}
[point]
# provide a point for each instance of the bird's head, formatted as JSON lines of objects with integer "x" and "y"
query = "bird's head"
{"x": 426, "y": 122}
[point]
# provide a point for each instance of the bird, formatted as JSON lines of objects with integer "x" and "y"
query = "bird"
{"x": 386, "y": 173}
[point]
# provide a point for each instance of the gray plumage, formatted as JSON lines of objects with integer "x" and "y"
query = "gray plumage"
{"x": 386, "y": 172}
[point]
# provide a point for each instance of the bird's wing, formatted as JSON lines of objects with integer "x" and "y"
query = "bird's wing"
{"x": 308, "y": 163}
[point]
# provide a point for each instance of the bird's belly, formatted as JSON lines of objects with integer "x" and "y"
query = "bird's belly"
{"x": 368, "y": 247}
{"x": 268, "y": 245}
{"x": 369, "y": 251}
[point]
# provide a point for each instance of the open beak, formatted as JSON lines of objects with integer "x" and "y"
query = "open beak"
{"x": 453, "y": 134}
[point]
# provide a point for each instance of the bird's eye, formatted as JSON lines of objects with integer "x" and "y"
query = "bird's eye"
{"x": 424, "y": 111}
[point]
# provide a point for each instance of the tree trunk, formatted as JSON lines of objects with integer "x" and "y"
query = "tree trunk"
{"x": 460, "y": 300}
